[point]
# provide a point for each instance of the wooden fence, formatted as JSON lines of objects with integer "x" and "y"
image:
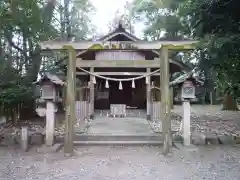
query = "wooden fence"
{"x": 82, "y": 110}
{"x": 155, "y": 110}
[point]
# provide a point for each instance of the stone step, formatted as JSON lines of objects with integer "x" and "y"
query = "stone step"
{"x": 130, "y": 143}
{"x": 128, "y": 139}
{"x": 108, "y": 137}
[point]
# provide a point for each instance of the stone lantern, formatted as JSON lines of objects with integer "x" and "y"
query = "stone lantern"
{"x": 49, "y": 94}
{"x": 188, "y": 89}
{"x": 187, "y": 93}
{"x": 187, "y": 84}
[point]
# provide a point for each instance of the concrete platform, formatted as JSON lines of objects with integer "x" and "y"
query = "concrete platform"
{"x": 120, "y": 126}
{"x": 119, "y": 131}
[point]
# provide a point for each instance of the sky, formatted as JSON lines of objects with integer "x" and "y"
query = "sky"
{"x": 105, "y": 10}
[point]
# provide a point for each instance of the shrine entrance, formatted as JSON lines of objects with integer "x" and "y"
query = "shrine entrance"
{"x": 120, "y": 99}
{"x": 134, "y": 124}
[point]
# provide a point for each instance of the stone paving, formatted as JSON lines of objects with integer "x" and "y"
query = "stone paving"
{"x": 123, "y": 163}
{"x": 120, "y": 126}
{"x": 134, "y": 123}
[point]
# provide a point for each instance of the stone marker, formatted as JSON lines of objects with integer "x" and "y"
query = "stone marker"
{"x": 24, "y": 138}
{"x": 37, "y": 139}
{"x": 198, "y": 138}
{"x": 237, "y": 140}
{"x": 223, "y": 139}
{"x": 211, "y": 138}
{"x": 3, "y": 120}
{"x": 8, "y": 140}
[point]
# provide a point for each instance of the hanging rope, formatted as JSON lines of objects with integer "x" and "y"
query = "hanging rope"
{"x": 115, "y": 79}
{"x": 179, "y": 79}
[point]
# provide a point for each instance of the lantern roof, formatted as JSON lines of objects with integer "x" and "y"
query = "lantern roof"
{"x": 187, "y": 76}
{"x": 50, "y": 77}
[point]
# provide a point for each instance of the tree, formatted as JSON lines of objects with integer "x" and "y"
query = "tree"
{"x": 73, "y": 19}
{"x": 23, "y": 24}
{"x": 72, "y": 22}
{"x": 176, "y": 20}
{"x": 219, "y": 32}
{"x": 126, "y": 18}
{"x": 161, "y": 19}
{"x": 81, "y": 13}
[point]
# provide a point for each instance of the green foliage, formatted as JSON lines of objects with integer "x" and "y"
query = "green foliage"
{"x": 23, "y": 24}
{"x": 215, "y": 23}
{"x": 14, "y": 91}
{"x": 81, "y": 26}
{"x": 218, "y": 25}
{"x": 14, "y": 94}
{"x": 126, "y": 18}
{"x": 161, "y": 19}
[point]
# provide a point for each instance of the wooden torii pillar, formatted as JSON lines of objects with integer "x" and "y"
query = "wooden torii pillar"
{"x": 165, "y": 109}
{"x": 166, "y": 104}
{"x": 70, "y": 114}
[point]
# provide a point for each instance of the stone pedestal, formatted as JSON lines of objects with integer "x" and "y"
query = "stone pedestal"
{"x": 186, "y": 122}
{"x": 50, "y": 123}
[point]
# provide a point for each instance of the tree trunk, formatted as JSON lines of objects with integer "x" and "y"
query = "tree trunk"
{"x": 14, "y": 117}
{"x": 229, "y": 103}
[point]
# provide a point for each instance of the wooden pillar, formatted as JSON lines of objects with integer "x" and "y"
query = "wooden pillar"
{"x": 148, "y": 95}
{"x": 70, "y": 101}
{"x": 50, "y": 123}
{"x": 165, "y": 100}
{"x": 64, "y": 96}
{"x": 171, "y": 97}
{"x": 91, "y": 94}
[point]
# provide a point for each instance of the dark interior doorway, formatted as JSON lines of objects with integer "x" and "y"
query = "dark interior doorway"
{"x": 120, "y": 96}
{"x": 133, "y": 97}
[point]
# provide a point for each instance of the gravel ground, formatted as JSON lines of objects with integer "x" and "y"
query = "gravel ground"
{"x": 126, "y": 163}
{"x": 210, "y": 118}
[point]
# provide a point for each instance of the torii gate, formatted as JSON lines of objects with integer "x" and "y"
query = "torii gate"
{"x": 162, "y": 46}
